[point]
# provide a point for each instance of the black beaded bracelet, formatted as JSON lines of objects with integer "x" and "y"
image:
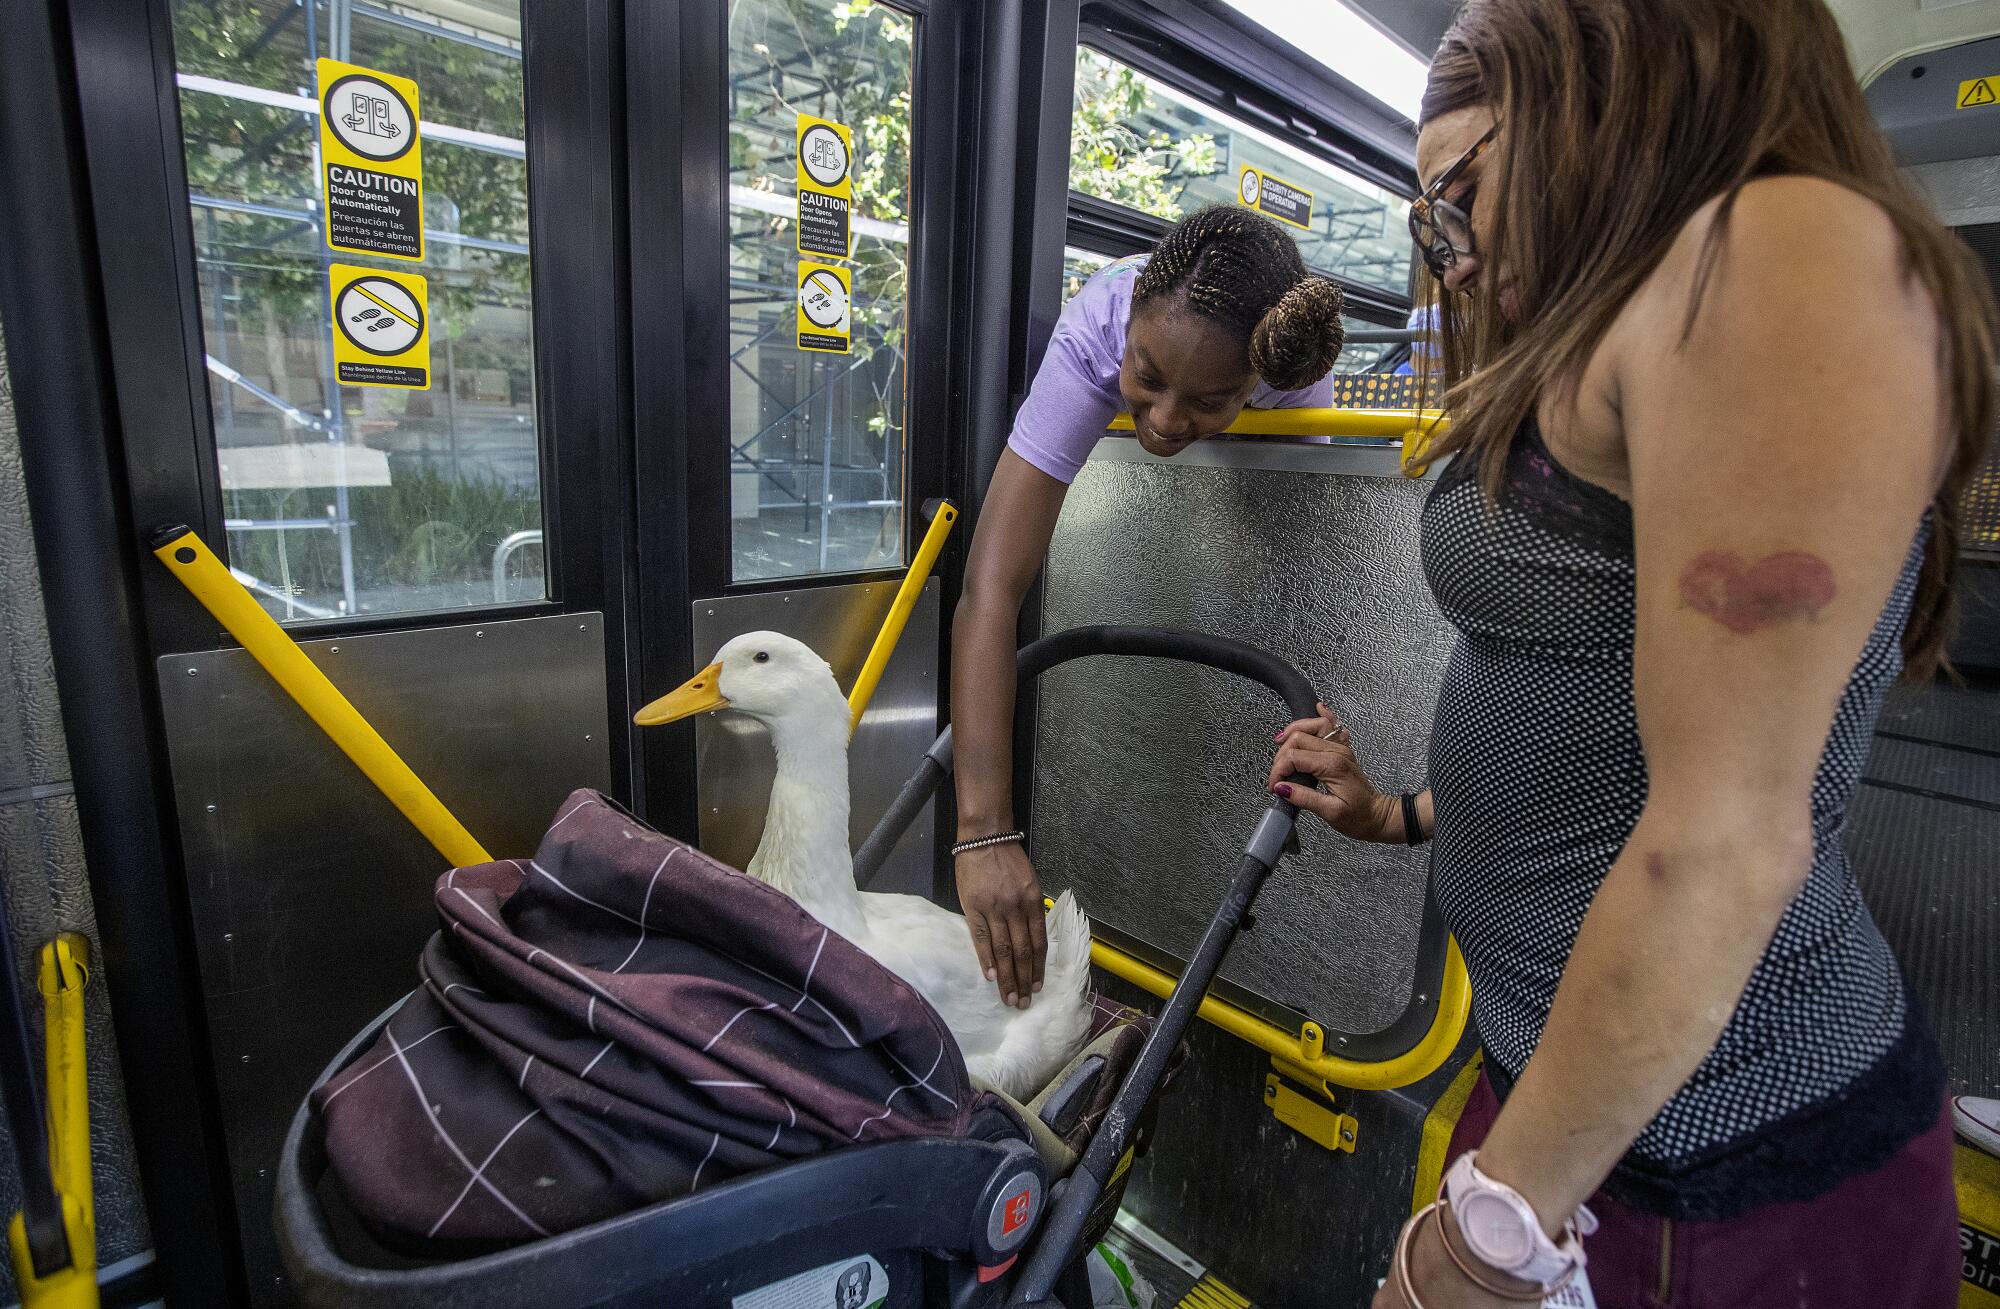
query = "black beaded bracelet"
{"x": 981, "y": 843}
{"x": 1413, "y": 831}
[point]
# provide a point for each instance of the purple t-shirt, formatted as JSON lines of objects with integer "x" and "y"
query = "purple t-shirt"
{"x": 1075, "y": 393}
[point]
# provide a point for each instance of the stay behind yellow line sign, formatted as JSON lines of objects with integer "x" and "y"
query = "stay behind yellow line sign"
{"x": 381, "y": 327}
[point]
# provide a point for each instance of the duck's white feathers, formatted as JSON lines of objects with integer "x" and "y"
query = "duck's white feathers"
{"x": 804, "y": 853}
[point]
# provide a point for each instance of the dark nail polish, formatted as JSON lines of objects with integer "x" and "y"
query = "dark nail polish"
{"x": 1284, "y": 791}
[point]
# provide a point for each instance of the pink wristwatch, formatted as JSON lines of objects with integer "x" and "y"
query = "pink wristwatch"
{"x": 1501, "y": 1229}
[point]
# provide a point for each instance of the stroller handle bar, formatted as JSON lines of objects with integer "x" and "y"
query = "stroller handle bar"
{"x": 1078, "y": 1194}
{"x": 1081, "y": 643}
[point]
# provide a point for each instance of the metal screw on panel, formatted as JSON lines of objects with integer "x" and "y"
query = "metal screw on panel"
{"x": 1423, "y": 999}
{"x": 211, "y": 809}
{"x": 583, "y": 627}
{"x": 711, "y": 613}
{"x": 1347, "y": 1135}
{"x": 1343, "y": 1040}
{"x": 229, "y": 936}
{"x": 587, "y": 736}
{"x": 246, "y": 1058}
{"x": 193, "y": 671}
{"x": 788, "y": 599}
{"x": 479, "y": 633}
{"x": 333, "y": 649}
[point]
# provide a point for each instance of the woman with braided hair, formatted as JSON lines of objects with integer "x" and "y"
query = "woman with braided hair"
{"x": 1221, "y": 315}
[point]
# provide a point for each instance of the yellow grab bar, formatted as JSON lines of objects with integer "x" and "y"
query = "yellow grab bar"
{"x": 237, "y": 610}
{"x": 1303, "y": 1053}
{"x": 62, "y": 977}
{"x": 1417, "y": 429}
{"x": 899, "y": 612}
{"x": 1383, "y": 424}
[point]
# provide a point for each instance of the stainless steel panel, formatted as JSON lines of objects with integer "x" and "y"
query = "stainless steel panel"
{"x": 733, "y": 761}
{"x": 310, "y": 893}
{"x": 1961, "y": 191}
{"x": 42, "y": 871}
{"x": 1149, "y": 776}
{"x": 31, "y": 737}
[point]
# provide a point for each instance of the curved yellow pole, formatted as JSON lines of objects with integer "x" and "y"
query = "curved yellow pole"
{"x": 1303, "y": 1053}
{"x": 899, "y": 612}
{"x": 62, "y": 977}
{"x": 237, "y": 610}
{"x": 1417, "y": 429}
{"x": 1382, "y": 424}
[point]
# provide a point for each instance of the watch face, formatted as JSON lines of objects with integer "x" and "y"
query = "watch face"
{"x": 1494, "y": 1230}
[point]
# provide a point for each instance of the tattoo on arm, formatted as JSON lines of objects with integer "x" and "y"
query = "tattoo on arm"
{"x": 1749, "y": 597}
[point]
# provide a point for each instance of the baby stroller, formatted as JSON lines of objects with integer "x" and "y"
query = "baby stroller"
{"x": 993, "y": 1204}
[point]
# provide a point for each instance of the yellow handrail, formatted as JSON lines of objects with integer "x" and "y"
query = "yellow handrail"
{"x": 1386, "y": 424}
{"x": 1303, "y": 1054}
{"x": 237, "y": 610}
{"x": 899, "y": 611}
{"x": 62, "y": 977}
{"x": 1415, "y": 428}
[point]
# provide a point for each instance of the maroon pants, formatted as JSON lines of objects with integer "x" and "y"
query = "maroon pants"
{"x": 1884, "y": 1240}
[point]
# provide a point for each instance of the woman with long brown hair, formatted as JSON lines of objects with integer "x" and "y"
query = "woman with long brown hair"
{"x": 1715, "y": 381}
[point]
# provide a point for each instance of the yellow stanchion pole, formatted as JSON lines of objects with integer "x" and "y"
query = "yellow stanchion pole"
{"x": 899, "y": 611}
{"x": 237, "y": 610}
{"x": 61, "y": 977}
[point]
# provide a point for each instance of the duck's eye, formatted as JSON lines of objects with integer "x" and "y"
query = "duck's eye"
{"x": 763, "y": 656}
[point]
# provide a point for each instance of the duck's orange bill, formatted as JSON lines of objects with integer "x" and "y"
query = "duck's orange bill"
{"x": 697, "y": 695}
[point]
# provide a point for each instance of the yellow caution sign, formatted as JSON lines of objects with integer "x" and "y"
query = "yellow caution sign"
{"x": 826, "y": 309}
{"x": 1275, "y": 196}
{"x": 826, "y": 187}
{"x": 371, "y": 161}
{"x": 1979, "y": 92}
{"x": 381, "y": 327}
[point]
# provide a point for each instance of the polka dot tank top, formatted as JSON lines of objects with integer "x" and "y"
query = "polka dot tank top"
{"x": 1826, "y": 1068}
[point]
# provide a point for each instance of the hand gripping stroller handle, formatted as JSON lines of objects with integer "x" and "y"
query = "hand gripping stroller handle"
{"x": 1080, "y": 643}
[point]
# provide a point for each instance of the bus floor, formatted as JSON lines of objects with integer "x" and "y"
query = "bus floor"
{"x": 1924, "y": 836}
{"x": 1177, "y": 1280}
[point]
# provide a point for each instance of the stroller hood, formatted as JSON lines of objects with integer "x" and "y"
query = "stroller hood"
{"x": 618, "y": 1021}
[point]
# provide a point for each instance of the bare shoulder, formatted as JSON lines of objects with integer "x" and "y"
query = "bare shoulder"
{"x": 1798, "y": 259}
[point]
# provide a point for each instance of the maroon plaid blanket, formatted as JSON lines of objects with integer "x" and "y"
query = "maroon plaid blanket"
{"x": 617, "y": 1021}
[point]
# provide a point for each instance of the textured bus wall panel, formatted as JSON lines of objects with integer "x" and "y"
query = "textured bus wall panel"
{"x": 41, "y": 864}
{"x": 1150, "y": 775}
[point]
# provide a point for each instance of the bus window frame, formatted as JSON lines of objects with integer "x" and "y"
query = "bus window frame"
{"x": 1226, "y": 63}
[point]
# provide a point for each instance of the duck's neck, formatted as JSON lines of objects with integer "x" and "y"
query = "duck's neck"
{"x": 804, "y": 850}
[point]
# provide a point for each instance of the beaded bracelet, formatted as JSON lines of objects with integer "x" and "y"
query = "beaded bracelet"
{"x": 981, "y": 843}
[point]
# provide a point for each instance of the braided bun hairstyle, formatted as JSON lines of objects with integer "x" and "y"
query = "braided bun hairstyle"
{"x": 1238, "y": 268}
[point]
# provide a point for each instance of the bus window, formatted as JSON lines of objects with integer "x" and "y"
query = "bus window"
{"x": 346, "y": 499}
{"x": 816, "y": 437}
{"x": 1137, "y": 142}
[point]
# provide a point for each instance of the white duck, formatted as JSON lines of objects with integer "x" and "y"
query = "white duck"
{"x": 782, "y": 684}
